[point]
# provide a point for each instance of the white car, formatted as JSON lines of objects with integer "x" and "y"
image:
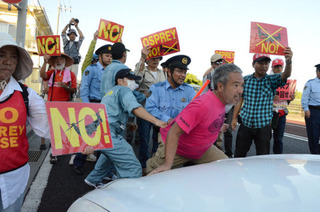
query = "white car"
{"x": 257, "y": 184}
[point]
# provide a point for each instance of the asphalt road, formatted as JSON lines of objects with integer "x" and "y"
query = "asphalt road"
{"x": 64, "y": 186}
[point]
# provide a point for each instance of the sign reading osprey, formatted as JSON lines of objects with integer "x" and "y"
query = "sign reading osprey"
{"x": 74, "y": 126}
{"x": 228, "y": 56}
{"x": 268, "y": 39}
{"x": 162, "y": 43}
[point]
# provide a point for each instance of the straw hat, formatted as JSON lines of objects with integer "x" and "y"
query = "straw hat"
{"x": 69, "y": 60}
{"x": 25, "y": 65}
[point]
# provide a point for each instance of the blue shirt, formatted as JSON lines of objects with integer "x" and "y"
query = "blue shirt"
{"x": 311, "y": 94}
{"x": 165, "y": 102}
{"x": 90, "y": 82}
{"x": 119, "y": 102}
{"x": 258, "y": 94}
{"x": 109, "y": 74}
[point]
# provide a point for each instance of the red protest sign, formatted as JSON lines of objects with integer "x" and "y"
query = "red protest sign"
{"x": 228, "y": 56}
{"x": 49, "y": 44}
{"x": 110, "y": 31}
{"x": 268, "y": 39}
{"x": 162, "y": 43}
{"x": 74, "y": 126}
{"x": 285, "y": 92}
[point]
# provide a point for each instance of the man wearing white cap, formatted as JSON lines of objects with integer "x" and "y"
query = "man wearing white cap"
{"x": 18, "y": 104}
{"x": 216, "y": 61}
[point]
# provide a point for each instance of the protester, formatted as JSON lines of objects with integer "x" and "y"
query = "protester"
{"x": 280, "y": 111}
{"x": 90, "y": 92}
{"x": 150, "y": 75}
{"x": 24, "y": 105}
{"x": 90, "y": 57}
{"x": 310, "y": 102}
{"x": 216, "y": 61}
{"x": 120, "y": 104}
{"x": 256, "y": 112}
{"x": 167, "y": 99}
{"x": 62, "y": 82}
{"x": 191, "y": 135}
{"x": 71, "y": 46}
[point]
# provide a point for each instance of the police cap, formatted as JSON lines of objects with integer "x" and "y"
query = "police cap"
{"x": 179, "y": 61}
{"x": 106, "y": 49}
{"x": 317, "y": 66}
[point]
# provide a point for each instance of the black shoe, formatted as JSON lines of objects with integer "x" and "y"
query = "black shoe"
{"x": 53, "y": 159}
{"x": 43, "y": 147}
{"x": 78, "y": 170}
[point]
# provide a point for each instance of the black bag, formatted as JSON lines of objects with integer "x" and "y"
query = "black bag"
{"x": 275, "y": 119}
{"x": 77, "y": 59}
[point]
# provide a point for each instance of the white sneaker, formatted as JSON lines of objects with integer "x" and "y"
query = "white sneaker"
{"x": 91, "y": 158}
{"x": 99, "y": 185}
{"x": 71, "y": 160}
{"x": 114, "y": 177}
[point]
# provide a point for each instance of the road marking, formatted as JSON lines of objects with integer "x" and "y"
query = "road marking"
{"x": 296, "y": 137}
{"x": 33, "y": 198}
{"x": 296, "y": 125}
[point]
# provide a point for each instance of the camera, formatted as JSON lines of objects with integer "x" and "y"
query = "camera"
{"x": 76, "y": 20}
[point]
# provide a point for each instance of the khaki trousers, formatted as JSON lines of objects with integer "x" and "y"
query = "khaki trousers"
{"x": 158, "y": 158}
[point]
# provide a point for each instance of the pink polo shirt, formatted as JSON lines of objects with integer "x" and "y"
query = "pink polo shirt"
{"x": 201, "y": 121}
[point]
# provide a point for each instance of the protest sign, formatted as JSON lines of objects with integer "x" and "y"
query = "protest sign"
{"x": 110, "y": 31}
{"x": 49, "y": 44}
{"x": 228, "y": 56}
{"x": 162, "y": 43}
{"x": 74, "y": 126}
{"x": 268, "y": 39}
{"x": 285, "y": 92}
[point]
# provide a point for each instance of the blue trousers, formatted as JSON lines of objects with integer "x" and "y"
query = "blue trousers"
{"x": 144, "y": 128}
{"x": 313, "y": 130}
{"x": 278, "y": 135}
{"x": 121, "y": 156}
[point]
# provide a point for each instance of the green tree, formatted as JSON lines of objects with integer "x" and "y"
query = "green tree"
{"x": 192, "y": 79}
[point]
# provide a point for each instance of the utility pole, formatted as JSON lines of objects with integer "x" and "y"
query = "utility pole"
{"x": 58, "y": 16}
{"x": 21, "y": 25}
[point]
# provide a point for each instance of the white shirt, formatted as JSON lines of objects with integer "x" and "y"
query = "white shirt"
{"x": 13, "y": 184}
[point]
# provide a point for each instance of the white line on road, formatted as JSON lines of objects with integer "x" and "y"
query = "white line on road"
{"x": 296, "y": 137}
{"x": 296, "y": 125}
{"x": 33, "y": 199}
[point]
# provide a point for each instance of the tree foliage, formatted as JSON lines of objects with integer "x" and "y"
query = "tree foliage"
{"x": 192, "y": 79}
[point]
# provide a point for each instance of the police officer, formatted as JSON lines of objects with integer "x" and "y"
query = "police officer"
{"x": 90, "y": 92}
{"x": 120, "y": 103}
{"x": 91, "y": 79}
{"x": 310, "y": 102}
{"x": 167, "y": 99}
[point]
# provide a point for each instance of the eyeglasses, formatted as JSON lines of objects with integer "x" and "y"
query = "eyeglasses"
{"x": 218, "y": 62}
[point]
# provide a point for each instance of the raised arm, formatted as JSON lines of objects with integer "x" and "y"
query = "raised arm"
{"x": 287, "y": 71}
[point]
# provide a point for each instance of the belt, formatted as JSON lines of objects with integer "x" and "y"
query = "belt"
{"x": 314, "y": 107}
{"x": 95, "y": 100}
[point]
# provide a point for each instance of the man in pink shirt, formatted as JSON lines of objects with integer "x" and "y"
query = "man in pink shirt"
{"x": 191, "y": 135}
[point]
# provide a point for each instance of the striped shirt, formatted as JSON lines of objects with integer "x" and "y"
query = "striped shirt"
{"x": 258, "y": 94}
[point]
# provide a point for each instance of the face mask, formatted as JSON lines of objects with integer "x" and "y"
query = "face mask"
{"x": 132, "y": 85}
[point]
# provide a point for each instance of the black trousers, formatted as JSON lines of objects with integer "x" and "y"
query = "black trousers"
{"x": 260, "y": 136}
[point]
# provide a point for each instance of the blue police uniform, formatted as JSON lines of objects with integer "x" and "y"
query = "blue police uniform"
{"x": 165, "y": 102}
{"x": 311, "y": 101}
{"x": 90, "y": 83}
{"x": 119, "y": 102}
{"x": 108, "y": 76}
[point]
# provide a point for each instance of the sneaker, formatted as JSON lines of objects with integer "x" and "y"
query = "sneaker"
{"x": 78, "y": 170}
{"x": 114, "y": 177}
{"x": 98, "y": 185}
{"x": 43, "y": 147}
{"x": 91, "y": 158}
{"x": 71, "y": 160}
{"x": 53, "y": 159}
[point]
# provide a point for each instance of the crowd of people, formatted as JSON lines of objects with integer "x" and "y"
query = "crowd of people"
{"x": 183, "y": 130}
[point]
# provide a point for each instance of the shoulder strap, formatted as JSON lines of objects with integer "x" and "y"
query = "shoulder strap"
{"x": 25, "y": 96}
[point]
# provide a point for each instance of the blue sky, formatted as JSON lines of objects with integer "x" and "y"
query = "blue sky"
{"x": 203, "y": 26}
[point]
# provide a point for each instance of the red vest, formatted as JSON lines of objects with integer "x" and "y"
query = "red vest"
{"x": 13, "y": 140}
